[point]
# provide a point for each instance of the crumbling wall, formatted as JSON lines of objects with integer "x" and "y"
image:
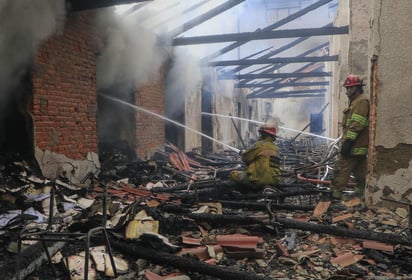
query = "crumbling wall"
{"x": 390, "y": 171}
{"x": 64, "y": 100}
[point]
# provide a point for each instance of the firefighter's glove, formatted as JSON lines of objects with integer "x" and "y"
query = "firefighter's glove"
{"x": 346, "y": 147}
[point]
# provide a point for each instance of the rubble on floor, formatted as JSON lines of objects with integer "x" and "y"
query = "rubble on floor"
{"x": 176, "y": 216}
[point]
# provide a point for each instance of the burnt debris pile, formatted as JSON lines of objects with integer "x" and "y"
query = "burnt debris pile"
{"x": 177, "y": 216}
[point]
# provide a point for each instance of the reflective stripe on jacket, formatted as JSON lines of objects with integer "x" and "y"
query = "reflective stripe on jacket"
{"x": 263, "y": 162}
{"x": 356, "y": 125}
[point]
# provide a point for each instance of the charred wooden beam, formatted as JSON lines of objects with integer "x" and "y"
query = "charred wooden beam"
{"x": 269, "y": 91}
{"x": 299, "y": 190}
{"x": 182, "y": 263}
{"x": 264, "y": 206}
{"x": 296, "y": 59}
{"x": 275, "y": 86}
{"x": 206, "y": 16}
{"x": 224, "y": 219}
{"x": 340, "y": 231}
{"x": 249, "y": 36}
{"x": 280, "y": 65}
{"x": 281, "y": 81}
{"x": 277, "y": 24}
{"x": 226, "y": 190}
{"x": 312, "y": 95}
{"x": 276, "y": 75}
{"x": 80, "y": 5}
{"x": 262, "y": 91}
{"x": 291, "y": 93}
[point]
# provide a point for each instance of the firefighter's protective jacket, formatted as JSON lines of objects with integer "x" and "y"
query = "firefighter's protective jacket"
{"x": 263, "y": 163}
{"x": 355, "y": 125}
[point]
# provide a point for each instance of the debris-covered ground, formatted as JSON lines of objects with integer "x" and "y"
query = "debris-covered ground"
{"x": 177, "y": 217}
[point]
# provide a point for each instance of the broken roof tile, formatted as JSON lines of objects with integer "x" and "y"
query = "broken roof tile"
{"x": 346, "y": 259}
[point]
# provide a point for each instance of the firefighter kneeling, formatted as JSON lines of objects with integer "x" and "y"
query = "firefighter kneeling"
{"x": 262, "y": 159}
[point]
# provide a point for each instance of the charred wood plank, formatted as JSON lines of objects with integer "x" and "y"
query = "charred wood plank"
{"x": 284, "y": 48}
{"x": 292, "y": 93}
{"x": 294, "y": 59}
{"x": 339, "y": 231}
{"x": 182, "y": 209}
{"x": 182, "y": 263}
{"x": 275, "y": 86}
{"x": 264, "y": 206}
{"x": 282, "y": 194}
{"x": 223, "y": 219}
{"x": 300, "y": 95}
{"x": 276, "y": 75}
{"x": 248, "y": 36}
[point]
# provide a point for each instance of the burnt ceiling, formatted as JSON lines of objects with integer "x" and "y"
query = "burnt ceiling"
{"x": 259, "y": 71}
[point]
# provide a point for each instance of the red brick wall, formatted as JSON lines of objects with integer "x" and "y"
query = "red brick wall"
{"x": 150, "y": 135}
{"x": 64, "y": 90}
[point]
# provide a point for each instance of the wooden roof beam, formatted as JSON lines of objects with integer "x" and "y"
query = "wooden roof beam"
{"x": 275, "y": 75}
{"x": 277, "y": 85}
{"x": 249, "y": 36}
{"x": 294, "y": 59}
{"x": 293, "y": 93}
{"x": 277, "y": 24}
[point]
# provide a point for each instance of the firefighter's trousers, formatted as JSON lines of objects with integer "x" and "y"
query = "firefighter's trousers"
{"x": 347, "y": 165}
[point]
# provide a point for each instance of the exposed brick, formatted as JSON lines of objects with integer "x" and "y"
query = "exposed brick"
{"x": 64, "y": 90}
{"x": 150, "y": 135}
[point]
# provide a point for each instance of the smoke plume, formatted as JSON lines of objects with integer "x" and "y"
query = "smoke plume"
{"x": 132, "y": 54}
{"x": 24, "y": 25}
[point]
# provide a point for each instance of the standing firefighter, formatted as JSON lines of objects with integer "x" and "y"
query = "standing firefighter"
{"x": 354, "y": 141}
{"x": 262, "y": 161}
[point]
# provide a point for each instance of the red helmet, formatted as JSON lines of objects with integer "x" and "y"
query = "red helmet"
{"x": 353, "y": 80}
{"x": 269, "y": 127}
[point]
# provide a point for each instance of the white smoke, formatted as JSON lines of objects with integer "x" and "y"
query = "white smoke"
{"x": 183, "y": 78}
{"x": 132, "y": 54}
{"x": 24, "y": 25}
{"x": 137, "y": 43}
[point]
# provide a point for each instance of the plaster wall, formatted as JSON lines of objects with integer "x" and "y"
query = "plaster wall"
{"x": 225, "y": 103}
{"x": 391, "y": 30}
{"x": 192, "y": 111}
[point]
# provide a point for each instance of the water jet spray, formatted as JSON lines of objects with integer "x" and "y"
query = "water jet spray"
{"x": 260, "y": 123}
{"x": 169, "y": 120}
